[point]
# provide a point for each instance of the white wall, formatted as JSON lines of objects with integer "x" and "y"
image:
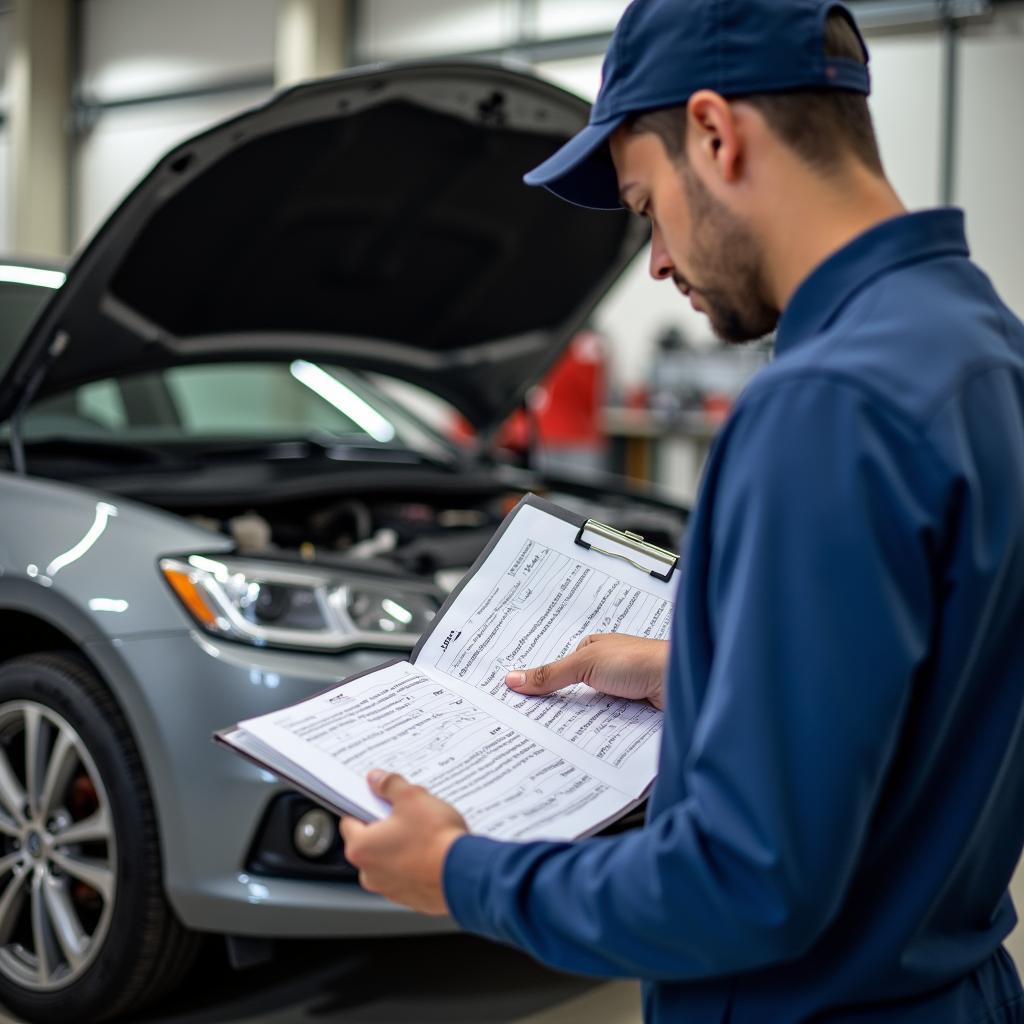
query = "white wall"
{"x": 560, "y": 18}
{"x": 392, "y": 29}
{"x": 5, "y": 203}
{"x": 132, "y": 48}
{"x": 990, "y": 150}
{"x": 906, "y": 106}
{"x": 5, "y": 177}
{"x": 407, "y": 28}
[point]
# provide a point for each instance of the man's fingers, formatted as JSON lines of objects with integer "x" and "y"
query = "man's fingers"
{"x": 350, "y": 829}
{"x": 596, "y": 638}
{"x": 551, "y": 677}
{"x": 387, "y": 785}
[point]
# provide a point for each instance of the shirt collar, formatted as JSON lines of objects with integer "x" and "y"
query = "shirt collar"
{"x": 909, "y": 238}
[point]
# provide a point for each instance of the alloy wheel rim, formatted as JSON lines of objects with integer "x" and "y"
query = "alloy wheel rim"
{"x": 58, "y": 850}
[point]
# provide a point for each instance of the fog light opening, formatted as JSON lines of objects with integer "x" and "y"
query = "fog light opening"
{"x": 314, "y": 834}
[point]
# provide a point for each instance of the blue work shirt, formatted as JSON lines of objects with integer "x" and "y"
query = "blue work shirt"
{"x": 840, "y": 798}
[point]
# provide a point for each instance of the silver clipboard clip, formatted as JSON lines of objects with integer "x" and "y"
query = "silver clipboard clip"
{"x": 632, "y": 542}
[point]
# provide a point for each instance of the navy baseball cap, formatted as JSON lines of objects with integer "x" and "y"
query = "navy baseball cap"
{"x": 663, "y": 51}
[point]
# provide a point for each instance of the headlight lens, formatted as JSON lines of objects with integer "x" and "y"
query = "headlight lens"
{"x": 274, "y": 605}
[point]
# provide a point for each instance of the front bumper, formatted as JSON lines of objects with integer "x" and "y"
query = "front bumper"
{"x": 176, "y": 690}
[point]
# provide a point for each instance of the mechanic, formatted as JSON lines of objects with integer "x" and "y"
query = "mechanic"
{"x": 840, "y": 799}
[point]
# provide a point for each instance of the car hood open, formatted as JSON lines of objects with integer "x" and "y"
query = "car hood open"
{"x": 376, "y": 219}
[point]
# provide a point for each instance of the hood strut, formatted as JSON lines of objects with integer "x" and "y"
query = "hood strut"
{"x": 53, "y": 353}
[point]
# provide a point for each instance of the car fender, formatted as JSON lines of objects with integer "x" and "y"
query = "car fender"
{"x": 99, "y": 552}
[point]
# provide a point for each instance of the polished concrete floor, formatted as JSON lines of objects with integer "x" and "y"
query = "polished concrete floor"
{"x": 454, "y": 978}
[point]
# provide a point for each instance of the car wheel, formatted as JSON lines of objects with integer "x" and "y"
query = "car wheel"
{"x": 85, "y": 930}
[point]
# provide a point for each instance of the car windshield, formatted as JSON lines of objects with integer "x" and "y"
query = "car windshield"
{"x": 258, "y": 401}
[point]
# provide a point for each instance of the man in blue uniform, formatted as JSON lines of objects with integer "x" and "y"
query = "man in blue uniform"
{"x": 840, "y": 799}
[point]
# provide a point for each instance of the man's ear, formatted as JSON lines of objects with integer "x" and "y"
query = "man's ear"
{"x": 713, "y": 140}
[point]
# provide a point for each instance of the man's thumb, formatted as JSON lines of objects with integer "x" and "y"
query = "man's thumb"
{"x": 547, "y": 678}
{"x": 387, "y": 785}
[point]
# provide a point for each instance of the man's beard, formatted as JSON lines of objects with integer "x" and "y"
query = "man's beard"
{"x": 732, "y": 286}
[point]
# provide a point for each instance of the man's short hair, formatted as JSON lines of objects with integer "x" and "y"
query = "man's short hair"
{"x": 822, "y": 126}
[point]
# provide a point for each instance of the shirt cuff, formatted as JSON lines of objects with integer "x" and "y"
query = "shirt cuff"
{"x": 464, "y": 879}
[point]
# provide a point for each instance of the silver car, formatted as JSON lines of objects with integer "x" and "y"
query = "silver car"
{"x": 217, "y": 498}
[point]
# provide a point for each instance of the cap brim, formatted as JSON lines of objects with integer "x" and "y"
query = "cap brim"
{"x": 582, "y": 172}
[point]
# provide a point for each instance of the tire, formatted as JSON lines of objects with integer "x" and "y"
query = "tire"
{"x": 94, "y": 902}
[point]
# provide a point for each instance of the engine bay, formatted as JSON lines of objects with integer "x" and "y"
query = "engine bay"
{"x": 432, "y": 540}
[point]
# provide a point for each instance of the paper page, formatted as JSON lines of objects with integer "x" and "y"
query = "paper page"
{"x": 535, "y": 598}
{"x": 270, "y": 759}
{"x": 505, "y": 784}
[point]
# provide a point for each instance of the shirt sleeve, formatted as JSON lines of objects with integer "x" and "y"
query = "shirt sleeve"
{"x": 816, "y": 594}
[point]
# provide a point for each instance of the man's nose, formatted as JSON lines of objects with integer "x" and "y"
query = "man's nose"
{"x": 661, "y": 265}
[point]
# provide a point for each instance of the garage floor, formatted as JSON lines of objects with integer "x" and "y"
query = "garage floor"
{"x": 454, "y": 978}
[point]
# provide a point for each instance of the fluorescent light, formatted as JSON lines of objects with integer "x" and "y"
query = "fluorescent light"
{"x": 31, "y": 275}
{"x": 108, "y": 604}
{"x": 330, "y": 389}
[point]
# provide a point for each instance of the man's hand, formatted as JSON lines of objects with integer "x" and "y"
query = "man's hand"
{"x": 402, "y": 857}
{"x": 620, "y": 665}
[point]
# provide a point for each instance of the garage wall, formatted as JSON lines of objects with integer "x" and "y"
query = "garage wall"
{"x": 990, "y": 150}
{"x": 394, "y": 29}
{"x": 387, "y": 29}
{"x": 5, "y": 205}
{"x": 5, "y": 179}
{"x": 132, "y": 48}
{"x": 555, "y": 18}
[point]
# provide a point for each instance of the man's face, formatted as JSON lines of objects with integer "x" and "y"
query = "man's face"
{"x": 712, "y": 256}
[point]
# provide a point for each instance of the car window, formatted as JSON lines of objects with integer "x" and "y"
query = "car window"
{"x": 101, "y": 403}
{"x": 268, "y": 400}
{"x": 263, "y": 400}
{"x": 19, "y": 304}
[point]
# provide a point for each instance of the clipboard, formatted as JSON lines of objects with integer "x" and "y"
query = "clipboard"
{"x": 647, "y": 557}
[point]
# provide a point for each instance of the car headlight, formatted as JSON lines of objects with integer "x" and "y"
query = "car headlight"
{"x": 275, "y": 605}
